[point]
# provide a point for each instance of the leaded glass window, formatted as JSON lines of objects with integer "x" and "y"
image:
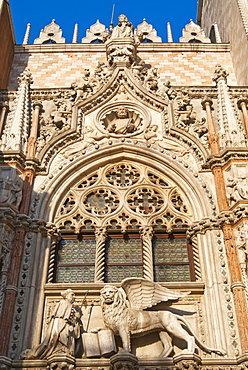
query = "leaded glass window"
{"x": 123, "y": 257}
{"x": 76, "y": 259}
{"x": 172, "y": 258}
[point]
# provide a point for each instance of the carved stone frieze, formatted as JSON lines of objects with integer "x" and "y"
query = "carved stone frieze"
{"x": 223, "y": 218}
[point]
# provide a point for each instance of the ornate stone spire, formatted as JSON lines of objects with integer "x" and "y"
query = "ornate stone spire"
{"x": 15, "y": 136}
{"x": 231, "y": 132}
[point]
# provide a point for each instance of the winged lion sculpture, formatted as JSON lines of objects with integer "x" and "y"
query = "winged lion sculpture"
{"x": 123, "y": 313}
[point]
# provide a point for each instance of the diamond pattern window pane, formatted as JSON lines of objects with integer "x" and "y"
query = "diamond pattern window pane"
{"x": 123, "y": 258}
{"x": 75, "y": 261}
{"x": 171, "y": 261}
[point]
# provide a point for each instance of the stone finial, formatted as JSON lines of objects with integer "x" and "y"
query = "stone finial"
{"x": 75, "y": 34}
{"x": 169, "y": 32}
{"x": 95, "y": 33}
{"x": 217, "y": 34}
{"x": 26, "y": 77}
{"x": 27, "y": 33}
{"x": 149, "y": 33}
{"x": 51, "y": 33}
{"x": 194, "y": 33}
{"x": 219, "y": 73}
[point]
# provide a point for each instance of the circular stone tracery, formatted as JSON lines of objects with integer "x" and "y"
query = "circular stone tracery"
{"x": 122, "y": 175}
{"x": 101, "y": 202}
{"x": 145, "y": 200}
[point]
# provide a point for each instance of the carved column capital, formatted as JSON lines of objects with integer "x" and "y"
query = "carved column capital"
{"x": 206, "y": 101}
{"x": 37, "y": 104}
{"x": 5, "y": 105}
{"x": 242, "y": 102}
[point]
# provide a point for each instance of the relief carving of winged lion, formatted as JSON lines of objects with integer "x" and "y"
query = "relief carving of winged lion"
{"x": 123, "y": 313}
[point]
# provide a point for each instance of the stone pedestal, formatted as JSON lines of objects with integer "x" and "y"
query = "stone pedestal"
{"x": 123, "y": 360}
{"x": 61, "y": 362}
{"x": 187, "y": 361}
{"x": 121, "y": 52}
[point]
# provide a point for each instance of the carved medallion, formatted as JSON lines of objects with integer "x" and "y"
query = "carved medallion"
{"x": 122, "y": 119}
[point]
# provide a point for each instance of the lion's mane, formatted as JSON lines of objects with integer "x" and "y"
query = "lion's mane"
{"x": 115, "y": 314}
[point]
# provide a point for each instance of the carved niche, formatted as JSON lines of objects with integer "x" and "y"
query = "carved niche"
{"x": 122, "y": 119}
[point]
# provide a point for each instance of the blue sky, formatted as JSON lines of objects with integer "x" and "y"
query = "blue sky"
{"x": 86, "y": 12}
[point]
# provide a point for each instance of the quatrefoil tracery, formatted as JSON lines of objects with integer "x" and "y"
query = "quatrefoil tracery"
{"x": 119, "y": 193}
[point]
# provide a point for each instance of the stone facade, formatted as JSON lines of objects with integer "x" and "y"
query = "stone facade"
{"x": 228, "y": 15}
{"x": 123, "y": 163}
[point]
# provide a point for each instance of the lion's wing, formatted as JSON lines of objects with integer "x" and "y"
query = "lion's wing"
{"x": 143, "y": 293}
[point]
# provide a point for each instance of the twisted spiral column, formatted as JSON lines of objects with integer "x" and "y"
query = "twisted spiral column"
{"x": 100, "y": 234}
{"x": 146, "y": 234}
{"x": 52, "y": 256}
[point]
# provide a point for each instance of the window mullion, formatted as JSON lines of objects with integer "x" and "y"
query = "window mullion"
{"x": 101, "y": 235}
{"x": 146, "y": 234}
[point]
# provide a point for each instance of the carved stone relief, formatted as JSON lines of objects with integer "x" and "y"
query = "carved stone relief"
{"x": 122, "y": 121}
{"x": 10, "y": 188}
{"x": 55, "y": 118}
{"x": 236, "y": 184}
{"x": 90, "y": 82}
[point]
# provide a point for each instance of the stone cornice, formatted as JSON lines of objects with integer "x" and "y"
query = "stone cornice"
{"x": 151, "y": 47}
{"x": 20, "y": 220}
{"x": 222, "y": 159}
{"x": 216, "y": 223}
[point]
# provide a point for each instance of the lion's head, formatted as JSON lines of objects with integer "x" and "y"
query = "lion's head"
{"x": 114, "y": 307}
{"x": 109, "y": 294}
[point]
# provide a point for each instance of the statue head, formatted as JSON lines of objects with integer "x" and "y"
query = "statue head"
{"x": 69, "y": 295}
{"x": 122, "y": 18}
{"x": 122, "y": 112}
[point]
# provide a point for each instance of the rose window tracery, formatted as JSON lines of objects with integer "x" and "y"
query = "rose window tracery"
{"x": 132, "y": 219}
{"x": 125, "y": 188}
{"x": 101, "y": 202}
{"x": 145, "y": 200}
{"x": 122, "y": 175}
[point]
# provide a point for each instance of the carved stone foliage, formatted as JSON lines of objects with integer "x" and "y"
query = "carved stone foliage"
{"x": 185, "y": 114}
{"x": 90, "y": 82}
{"x": 123, "y": 196}
{"x": 150, "y": 79}
{"x": 55, "y": 118}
